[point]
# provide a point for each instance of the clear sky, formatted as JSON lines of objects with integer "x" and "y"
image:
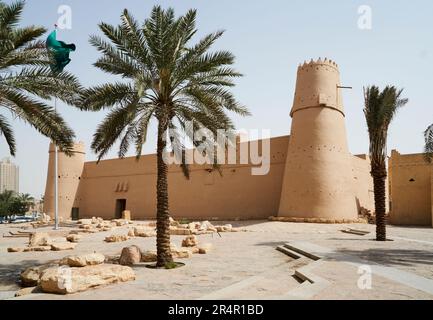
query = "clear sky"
{"x": 269, "y": 38}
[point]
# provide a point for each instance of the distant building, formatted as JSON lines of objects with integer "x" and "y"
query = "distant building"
{"x": 9, "y": 176}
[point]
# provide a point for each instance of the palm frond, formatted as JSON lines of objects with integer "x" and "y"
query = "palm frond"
{"x": 41, "y": 81}
{"x": 26, "y": 79}
{"x": 6, "y": 131}
{"x": 106, "y": 95}
{"x": 40, "y": 116}
{"x": 10, "y": 15}
{"x": 110, "y": 130}
{"x": 141, "y": 131}
{"x": 428, "y": 147}
{"x": 166, "y": 76}
{"x": 379, "y": 110}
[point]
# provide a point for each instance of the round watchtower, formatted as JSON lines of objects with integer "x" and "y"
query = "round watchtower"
{"x": 70, "y": 170}
{"x": 318, "y": 180}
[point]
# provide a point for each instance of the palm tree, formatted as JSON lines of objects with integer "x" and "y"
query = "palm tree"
{"x": 25, "y": 75}
{"x": 380, "y": 109}
{"x": 26, "y": 199}
{"x": 6, "y": 199}
{"x": 428, "y": 148}
{"x": 7, "y": 195}
{"x": 169, "y": 81}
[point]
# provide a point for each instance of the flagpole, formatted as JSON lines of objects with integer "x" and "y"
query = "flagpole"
{"x": 61, "y": 57}
{"x": 56, "y": 182}
{"x": 56, "y": 174}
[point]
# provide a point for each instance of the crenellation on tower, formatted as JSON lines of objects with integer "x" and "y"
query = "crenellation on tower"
{"x": 318, "y": 63}
{"x": 317, "y": 86}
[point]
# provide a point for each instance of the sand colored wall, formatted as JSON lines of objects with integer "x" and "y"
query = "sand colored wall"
{"x": 235, "y": 195}
{"x": 363, "y": 182}
{"x": 69, "y": 172}
{"x": 410, "y": 182}
{"x": 318, "y": 179}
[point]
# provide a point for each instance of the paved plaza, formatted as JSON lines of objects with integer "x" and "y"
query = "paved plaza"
{"x": 321, "y": 262}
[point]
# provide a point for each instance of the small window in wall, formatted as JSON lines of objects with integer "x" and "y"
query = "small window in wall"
{"x": 412, "y": 180}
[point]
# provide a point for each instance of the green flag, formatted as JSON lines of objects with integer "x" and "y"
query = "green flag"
{"x": 59, "y": 51}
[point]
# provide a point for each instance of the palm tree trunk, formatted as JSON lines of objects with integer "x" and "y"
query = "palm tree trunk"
{"x": 162, "y": 212}
{"x": 379, "y": 180}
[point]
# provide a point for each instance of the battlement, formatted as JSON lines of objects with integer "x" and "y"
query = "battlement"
{"x": 79, "y": 147}
{"x": 317, "y": 86}
{"x": 318, "y": 63}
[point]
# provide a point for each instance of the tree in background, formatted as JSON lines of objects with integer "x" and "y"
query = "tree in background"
{"x": 12, "y": 203}
{"x": 379, "y": 109}
{"x": 6, "y": 200}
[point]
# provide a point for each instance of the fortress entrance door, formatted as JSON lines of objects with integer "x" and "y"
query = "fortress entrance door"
{"x": 120, "y": 207}
{"x": 75, "y": 214}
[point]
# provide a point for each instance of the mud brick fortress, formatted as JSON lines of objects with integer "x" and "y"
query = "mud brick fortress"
{"x": 312, "y": 177}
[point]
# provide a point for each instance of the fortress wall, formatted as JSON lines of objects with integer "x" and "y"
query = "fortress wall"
{"x": 410, "y": 189}
{"x": 237, "y": 194}
{"x": 363, "y": 182}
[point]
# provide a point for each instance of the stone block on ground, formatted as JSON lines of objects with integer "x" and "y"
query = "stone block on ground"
{"x": 37, "y": 249}
{"x": 120, "y": 222}
{"x": 16, "y": 249}
{"x": 30, "y": 276}
{"x": 198, "y": 232}
{"x": 116, "y": 238}
{"x": 181, "y": 254}
{"x": 194, "y": 250}
{"x": 27, "y": 291}
{"x": 73, "y": 238}
{"x": 194, "y": 225}
{"x": 144, "y": 232}
{"x": 44, "y": 218}
{"x": 66, "y": 280}
{"x": 85, "y": 221}
{"x": 61, "y": 246}
{"x": 174, "y": 231}
{"x": 130, "y": 256}
{"x": 83, "y": 260}
{"x": 224, "y": 228}
{"x": 190, "y": 241}
{"x": 126, "y": 215}
{"x": 104, "y": 224}
{"x": 39, "y": 239}
{"x": 205, "y": 248}
{"x": 206, "y": 225}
